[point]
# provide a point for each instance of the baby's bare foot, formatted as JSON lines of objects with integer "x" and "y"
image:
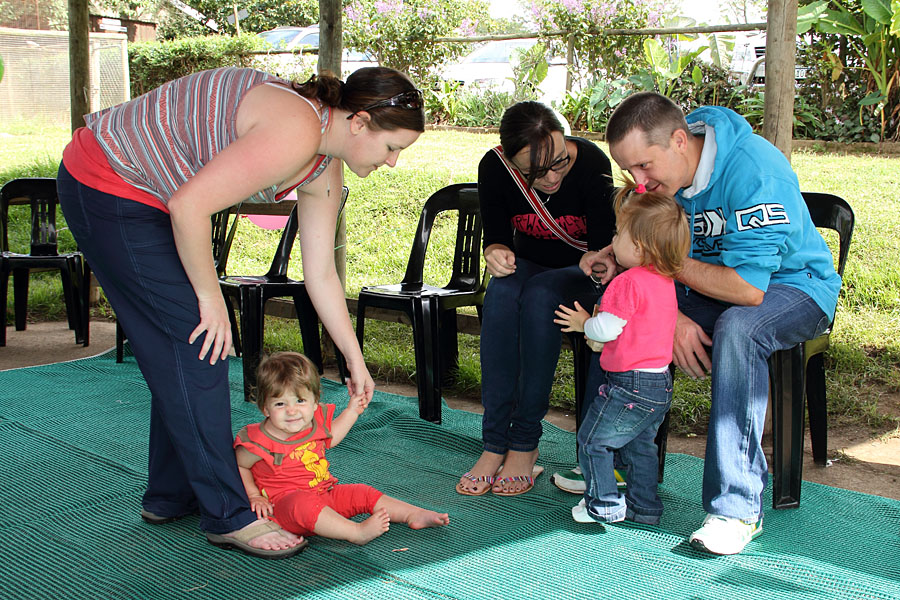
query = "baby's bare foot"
{"x": 372, "y": 527}
{"x": 274, "y": 540}
{"x": 422, "y": 518}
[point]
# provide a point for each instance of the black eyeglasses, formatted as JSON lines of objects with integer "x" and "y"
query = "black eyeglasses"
{"x": 557, "y": 166}
{"x": 410, "y": 100}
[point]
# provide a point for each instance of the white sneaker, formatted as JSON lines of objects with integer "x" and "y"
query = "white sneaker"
{"x": 573, "y": 481}
{"x": 570, "y": 481}
{"x": 581, "y": 515}
{"x": 724, "y": 535}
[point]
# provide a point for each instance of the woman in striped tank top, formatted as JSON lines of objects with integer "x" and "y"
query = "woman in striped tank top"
{"x": 138, "y": 186}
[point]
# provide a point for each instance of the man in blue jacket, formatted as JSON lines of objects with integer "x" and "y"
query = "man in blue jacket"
{"x": 760, "y": 278}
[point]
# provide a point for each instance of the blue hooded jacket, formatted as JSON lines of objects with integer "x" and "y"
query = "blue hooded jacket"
{"x": 750, "y": 215}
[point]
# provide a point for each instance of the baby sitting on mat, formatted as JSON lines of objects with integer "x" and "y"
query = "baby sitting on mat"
{"x": 282, "y": 461}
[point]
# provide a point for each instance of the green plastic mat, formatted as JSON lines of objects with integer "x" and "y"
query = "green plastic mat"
{"x": 74, "y": 465}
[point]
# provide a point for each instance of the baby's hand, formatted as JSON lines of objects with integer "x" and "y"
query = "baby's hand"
{"x": 571, "y": 319}
{"x": 261, "y": 506}
{"x": 594, "y": 345}
{"x": 359, "y": 404}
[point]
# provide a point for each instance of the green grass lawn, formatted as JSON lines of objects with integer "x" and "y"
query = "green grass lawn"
{"x": 863, "y": 362}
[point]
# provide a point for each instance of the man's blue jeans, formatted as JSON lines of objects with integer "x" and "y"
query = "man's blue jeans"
{"x": 520, "y": 348}
{"x": 744, "y": 337}
{"x": 624, "y": 418}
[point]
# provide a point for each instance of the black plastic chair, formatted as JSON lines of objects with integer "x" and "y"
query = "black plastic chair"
{"x": 250, "y": 292}
{"x": 797, "y": 375}
{"x": 222, "y": 237}
{"x": 40, "y": 193}
{"x": 432, "y": 310}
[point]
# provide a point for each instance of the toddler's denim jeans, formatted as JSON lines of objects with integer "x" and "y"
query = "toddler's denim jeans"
{"x": 624, "y": 417}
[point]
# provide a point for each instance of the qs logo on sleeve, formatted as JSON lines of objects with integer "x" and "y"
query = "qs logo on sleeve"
{"x": 761, "y": 215}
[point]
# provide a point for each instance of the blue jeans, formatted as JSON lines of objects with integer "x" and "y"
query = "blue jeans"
{"x": 623, "y": 419}
{"x": 131, "y": 250}
{"x": 735, "y": 472}
{"x": 520, "y": 348}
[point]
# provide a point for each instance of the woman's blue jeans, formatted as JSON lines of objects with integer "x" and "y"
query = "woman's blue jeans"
{"x": 735, "y": 472}
{"x": 131, "y": 250}
{"x": 520, "y": 346}
{"x": 624, "y": 419}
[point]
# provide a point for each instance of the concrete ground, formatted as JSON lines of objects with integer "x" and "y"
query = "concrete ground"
{"x": 859, "y": 461}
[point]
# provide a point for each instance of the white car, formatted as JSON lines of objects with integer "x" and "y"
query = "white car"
{"x": 491, "y": 67}
{"x": 295, "y": 38}
{"x": 290, "y": 38}
{"x": 749, "y": 49}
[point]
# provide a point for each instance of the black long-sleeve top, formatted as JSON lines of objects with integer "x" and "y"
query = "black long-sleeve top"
{"x": 583, "y": 207}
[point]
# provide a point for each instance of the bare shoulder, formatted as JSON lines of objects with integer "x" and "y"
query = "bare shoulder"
{"x": 277, "y": 108}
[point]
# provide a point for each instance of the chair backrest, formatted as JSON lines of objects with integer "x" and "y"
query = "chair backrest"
{"x": 832, "y": 212}
{"x": 279, "y": 267}
{"x": 41, "y": 194}
{"x": 461, "y": 197}
{"x": 222, "y": 237}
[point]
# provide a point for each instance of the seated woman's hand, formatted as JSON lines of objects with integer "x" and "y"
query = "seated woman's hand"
{"x": 600, "y": 265}
{"x": 500, "y": 260}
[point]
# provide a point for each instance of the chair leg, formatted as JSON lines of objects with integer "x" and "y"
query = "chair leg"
{"x": 85, "y": 300}
{"x": 251, "y": 335}
{"x": 73, "y": 307}
{"x": 4, "y": 291}
{"x": 427, "y": 349}
{"x": 20, "y": 296}
{"x": 449, "y": 350}
{"x": 581, "y": 355}
{"x": 235, "y": 332}
{"x": 309, "y": 329}
{"x": 120, "y": 343}
{"x": 817, "y": 407}
{"x": 786, "y": 376}
{"x": 662, "y": 440}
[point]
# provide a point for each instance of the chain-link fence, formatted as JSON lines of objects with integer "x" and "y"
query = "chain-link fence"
{"x": 35, "y": 84}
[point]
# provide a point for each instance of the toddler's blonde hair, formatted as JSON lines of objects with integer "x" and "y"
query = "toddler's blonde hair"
{"x": 285, "y": 372}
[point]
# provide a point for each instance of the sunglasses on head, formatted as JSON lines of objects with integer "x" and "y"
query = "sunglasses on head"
{"x": 410, "y": 100}
{"x": 559, "y": 165}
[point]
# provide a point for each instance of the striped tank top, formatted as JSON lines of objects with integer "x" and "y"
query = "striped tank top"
{"x": 159, "y": 140}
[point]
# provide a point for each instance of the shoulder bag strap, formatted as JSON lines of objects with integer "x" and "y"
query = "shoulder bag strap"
{"x": 538, "y": 207}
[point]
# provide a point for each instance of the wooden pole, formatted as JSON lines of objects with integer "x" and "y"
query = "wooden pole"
{"x": 781, "y": 40}
{"x": 330, "y": 33}
{"x": 331, "y": 47}
{"x": 79, "y": 62}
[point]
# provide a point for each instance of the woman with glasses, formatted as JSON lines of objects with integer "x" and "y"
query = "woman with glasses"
{"x": 138, "y": 186}
{"x": 546, "y": 199}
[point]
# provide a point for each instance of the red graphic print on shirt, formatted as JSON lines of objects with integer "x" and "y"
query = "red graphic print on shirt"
{"x": 530, "y": 224}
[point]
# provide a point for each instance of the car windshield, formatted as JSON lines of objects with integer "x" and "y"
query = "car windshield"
{"x": 497, "y": 52}
{"x": 279, "y": 39}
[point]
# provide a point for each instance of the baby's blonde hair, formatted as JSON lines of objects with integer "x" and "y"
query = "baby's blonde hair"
{"x": 285, "y": 372}
{"x": 657, "y": 224}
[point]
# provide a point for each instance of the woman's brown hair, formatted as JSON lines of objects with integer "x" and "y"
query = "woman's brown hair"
{"x": 364, "y": 88}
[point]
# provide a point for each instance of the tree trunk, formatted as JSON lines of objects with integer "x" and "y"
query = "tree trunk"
{"x": 79, "y": 62}
{"x": 781, "y": 41}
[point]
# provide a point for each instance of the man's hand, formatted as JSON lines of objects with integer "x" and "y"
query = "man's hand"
{"x": 500, "y": 260}
{"x": 689, "y": 351}
{"x": 599, "y": 264}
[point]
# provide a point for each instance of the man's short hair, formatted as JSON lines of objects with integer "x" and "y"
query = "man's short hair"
{"x": 653, "y": 114}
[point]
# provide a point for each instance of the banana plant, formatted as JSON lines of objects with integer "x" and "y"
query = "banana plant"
{"x": 665, "y": 69}
{"x": 873, "y": 34}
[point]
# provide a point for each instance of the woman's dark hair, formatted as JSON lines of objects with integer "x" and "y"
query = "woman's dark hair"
{"x": 529, "y": 124}
{"x": 363, "y": 88}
